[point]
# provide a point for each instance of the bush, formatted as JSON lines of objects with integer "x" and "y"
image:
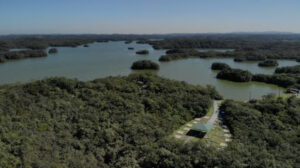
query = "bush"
{"x": 219, "y": 66}
{"x": 144, "y": 64}
{"x": 142, "y": 52}
{"x": 85, "y": 45}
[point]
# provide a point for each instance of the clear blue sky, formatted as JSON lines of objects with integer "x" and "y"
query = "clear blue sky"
{"x": 148, "y": 16}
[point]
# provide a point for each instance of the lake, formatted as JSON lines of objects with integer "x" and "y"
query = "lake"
{"x": 113, "y": 58}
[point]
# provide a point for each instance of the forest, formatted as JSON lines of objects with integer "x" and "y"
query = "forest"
{"x": 289, "y": 70}
{"x": 287, "y": 77}
{"x": 236, "y": 75}
{"x": 268, "y": 63}
{"x": 144, "y": 64}
{"x": 126, "y": 122}
{"x": 13, "y": 55}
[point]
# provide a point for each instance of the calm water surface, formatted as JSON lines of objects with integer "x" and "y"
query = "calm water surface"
{"x": 113, "y": 59}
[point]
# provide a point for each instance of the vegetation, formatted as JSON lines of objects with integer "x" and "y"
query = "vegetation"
{"x": 52, "y": 51}
{"x": 111, "y": 122}
{"x": 286, "y": 77}
{"x": 236, "y": 75}
{"x": 85, "y": 45}
{"x": 239, "y": 59}
{"x": 245, "y": 47}
{"x": 126, "y": 122}
{"x": 130, "y": 48}
{"x": 21, "y": 55}
{"x": 144, "y": 64}
{"x": 219, "y": 66}
{"x": 265, "y": 132}
{"x": 283, "y": 80}
{"x": 289, "y": 69}
{"x": 268, "y": 63}
{"x": 142, "y": 52}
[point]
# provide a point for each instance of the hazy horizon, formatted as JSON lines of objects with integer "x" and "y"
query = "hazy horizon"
{"x": 148, "y": 17}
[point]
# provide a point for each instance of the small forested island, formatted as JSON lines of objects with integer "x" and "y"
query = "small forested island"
{"x": 236, "y": 75}
{"x": 289, "y": 70}
{"x": 144, "y": 64}
{"x": 219, "y": 66}
{"x": 13, "y": 55}
{"x": 268, "y": 63}
{"x": 239, "y": 59}
{"x": 130, "y": 48}
{"x": 142, "y": 52}
{"x": 86, "y": 45}
{"x": 287, "y": 77}
{"x": 52, "y": 51}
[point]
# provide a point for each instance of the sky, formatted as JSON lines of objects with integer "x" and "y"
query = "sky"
{"x": 148, "y": 16}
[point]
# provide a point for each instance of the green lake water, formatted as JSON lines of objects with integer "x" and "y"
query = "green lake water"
{"x": 113, "y": 59}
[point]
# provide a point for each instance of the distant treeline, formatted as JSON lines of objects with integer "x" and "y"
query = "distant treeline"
{"x": 250, "y": 47}
{"x": 257, "y": 47}
{"x": 5, "y": 56}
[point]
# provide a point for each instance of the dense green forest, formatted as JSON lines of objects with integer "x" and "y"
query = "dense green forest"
{"x": 287, "y": 77}
{"x": 107, "y": 122}
{"x": 126, "y": 122}
{"x": 236, "y": 75}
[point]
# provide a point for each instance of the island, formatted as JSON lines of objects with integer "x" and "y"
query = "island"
{"x": 14, "y": 55}
{"x": 289, "y": 70}
{"x": 142, "y": 52}
{"x": 144, "y": 64}
{"x": 130, "y": 48}
{"x": 52, "y": 51}
{"x": 219, "y": 66}
{"x": 236, "y": 75}
{"x": 239, "y": 59}
{"x": 268, "y": 63}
